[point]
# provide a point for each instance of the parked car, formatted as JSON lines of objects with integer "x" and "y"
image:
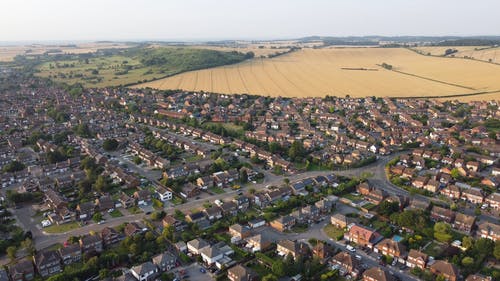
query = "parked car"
{"x": 350, "y": 248}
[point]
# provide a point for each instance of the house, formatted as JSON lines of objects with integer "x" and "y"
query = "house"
{"x": 205, "y": 182}
{"x": 145, "y": 272}
{"x": 464, "y": 222}
{"x": 442, "y": 214}
{"x": 419, "y": 204}
{"x": 283, "y": 223}
{"x": 239, "y": 232}
{"x": 493, "y": 200}
{"x": 322, "y": 250}
{"x": 325, "y": 206}
{"x": 339, "y": 220}
{"x": 416, "y": 259}
{"x": 420, "y": 182}
{"x": 170, "y": 220}
{"x": 347, "y": 263}
{"x": 110, "y": 236}
{"x": 213, "y": 213}
{"x": 489, "y": 230}
{"x": 377, "y": 274}
{"x": 258, "y": 242}
{"x": 190, "y": 190}
{"x": 242, "y": 202}
{"x": 22, "y": 271}
{"x": 451, "y": 191}
{"x": 364, "y": 189}
{"x": 229, "y": 208}
{"x": 143, "y": 197}
{"x": 241, "y": 273}
{"x": 446, "y": 269}
{"x": 194, "y": 246}
{"x": 85, "y": 210}
{"x": 376, "y": 196}
{"x": 211, "y": 254}
{"x": 391, "y": 248}
{"x": 288, "y": 247}
{"x": 299, "y": 188}
{"x": 163, "y": 193}
{"x": 256, "y": 223}
{"x": 473, "y": 195}
{"x": 478, "y": 277}
{"x": 47, "y": 263}
{"x": 363, "y": 236}
{"x": 91, "y": 244}
{"x": 432, "y": 186}
{"x": 105, "y": 203}
{"x": 311, "y": 212}
{"x": 133, "y": 229}
{"x": 126, "y": 201}
{"x": 70, "y": 254}
{"x": 165, "y": 261}
{"x": 181, "y": 246}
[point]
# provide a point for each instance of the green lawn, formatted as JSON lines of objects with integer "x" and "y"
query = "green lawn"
{"x": 116, "y": 214}
{"x": 333, "y": 232}
{"x": 61, "y": 228}
{"x": 216, "y": 190}
{"x": 352, "y": 197}
{"x": 434, "y": 249}
{"x": 135, "y": 210}
{"x": 193, "y": 158}
{"x": 176, "y": 200}
{"x": 300, "y": 228}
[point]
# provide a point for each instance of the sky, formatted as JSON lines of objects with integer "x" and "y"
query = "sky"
{"x": 83, "y": 20}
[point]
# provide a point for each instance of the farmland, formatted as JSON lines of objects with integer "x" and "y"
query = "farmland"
{"x": 482, "y": 53}
{"x": 7, "y": 53}
{"x": 134, "y": 65}
{"x": 343, "y": 71}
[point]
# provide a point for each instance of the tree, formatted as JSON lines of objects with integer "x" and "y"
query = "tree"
{"x": 29, "y": 246}
{"x": 467, "y": 242}
{"x": 13, "y": 166}
{"x": 110, "y": 144}
{"x": 467, "y": 261}
{"x": 386, "y": 208}
{"x": 496, "y": 250}
{"x": 11, "y": 252}
{"x": 296, "y": 151}
{"x": 442, "y": 232}
{"x": 102, "y": 184}
{"x": 243, "y": 176}
{"x": 483, "y": 246}
{"x": 278, "y": 268}
{"x": 97, "y": 217}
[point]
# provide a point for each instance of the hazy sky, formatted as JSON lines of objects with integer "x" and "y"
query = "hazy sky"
{"x": 235, "y": 19}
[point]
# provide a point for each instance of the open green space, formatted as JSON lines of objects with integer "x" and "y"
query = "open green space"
{"x": 130, "y": 66}
{"x": 61, "y": 228}
{"x": 334, "y": 232}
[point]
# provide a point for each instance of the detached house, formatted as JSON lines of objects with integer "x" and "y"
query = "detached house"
{"x": 347, "y": 263}
{"x": 377, "y": 274}
{"x": 241, "y": 273}
{"x": 391, "y": 248}
{"x": 91, "y": 244}
{"x": 165, "y": 261}
{"x": 70, "y": 254}
{"x": 283, "y": 223}
{"x": 145, "y": 272}
{"x": 363, "y": 236}
{"x": 446, "y": 269}
{"x": 416, "y": 259}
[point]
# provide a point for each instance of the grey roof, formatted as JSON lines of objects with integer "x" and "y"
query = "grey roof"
{"x": 144, "y": 268}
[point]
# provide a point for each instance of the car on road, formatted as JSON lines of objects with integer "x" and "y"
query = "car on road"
{"x": 350, "y": 248}
{"x": 358, "y": 257}
{"x": 101, "y": 222}
{"x": 202, "y": 270}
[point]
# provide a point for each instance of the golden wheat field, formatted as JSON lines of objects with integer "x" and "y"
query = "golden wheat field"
{"x": 482, "y": 53}
{"x": 340, "y": 72}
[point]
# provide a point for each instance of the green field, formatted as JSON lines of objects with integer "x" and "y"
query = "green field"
{"x": 131, "y": 66}
{"x": 61, "y": 228}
